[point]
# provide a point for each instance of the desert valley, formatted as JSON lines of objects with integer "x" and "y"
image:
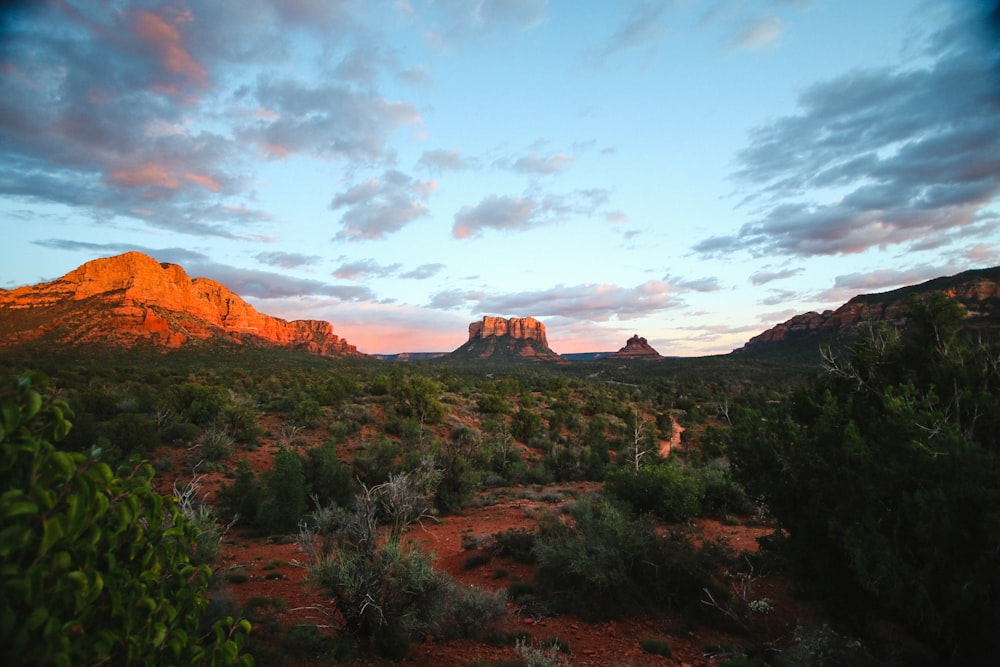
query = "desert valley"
{"x": 824, "y": 495}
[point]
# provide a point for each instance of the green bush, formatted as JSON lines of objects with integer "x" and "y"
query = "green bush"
{"x": 655, "y": 646}
{"x": 329, "y": 479}
{"x": 95, "y": 567}
{"x": 285, "y": 500}
{"x": 388, "y": 592}
{"x": 667, "y": 490}
{"x": 241, "y": 501}
{"x": 883, "y": 471}
{"x": 601, "y": 563}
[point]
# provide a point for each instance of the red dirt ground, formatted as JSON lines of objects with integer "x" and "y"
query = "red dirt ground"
{"x": 277, "y": 571}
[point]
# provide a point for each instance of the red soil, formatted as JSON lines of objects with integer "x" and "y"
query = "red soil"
{"x": 277, "y": 571}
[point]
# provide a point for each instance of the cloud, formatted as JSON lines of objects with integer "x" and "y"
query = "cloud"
{"x": 762, "y": 32}
{"x": 778, "y": 297}
{"x": 542, "y": 164}
{"x": 363, "y": 269}
{"x": 378, "y": 207}
{"x": 764, "y": 277}
{"x": 245, "y": 282}
{"x": 286, "y": 260}
{"x": 179, "y": 69}
{"x": 269, "y": 285}
{"x": 325, "y": 120}
{"x": 445, "y": 160}
{"x": 887, "y": 142}
{"x": 592, "y": 302}
{"x": 423, "y": 272}
{"x": 180, "y": 256}
{"x": 642, "y": 28}
{"x": 698, "y": 285}
{"x": 462, "y": 20}
{"x": 504, "y": 212}
{"x": 850, "y": 285}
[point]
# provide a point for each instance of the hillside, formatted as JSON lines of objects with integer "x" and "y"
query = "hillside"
{"x": 133, "y": 300}
{"x": 978, "y": 291}
{"x": 499, "y": 339}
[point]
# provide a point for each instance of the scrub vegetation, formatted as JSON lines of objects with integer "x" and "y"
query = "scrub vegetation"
{"x": 873, "y": 468}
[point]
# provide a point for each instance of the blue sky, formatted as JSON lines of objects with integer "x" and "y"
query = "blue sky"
{"x": 694, "y": 172}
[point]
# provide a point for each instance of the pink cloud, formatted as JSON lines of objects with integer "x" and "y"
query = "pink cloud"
{"x": 148, "y": 174}
{"x": 159, "y": 175}
{"x": 165, "y": 41}
{"x": 204, "y": 181}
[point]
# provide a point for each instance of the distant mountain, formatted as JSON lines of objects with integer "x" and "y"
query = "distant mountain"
{"x": 585, "y": 356}
{"x": 978, "y": 291}
{"x": 637, "y": 347}
{"x": 132, "y": 299}
{"x": 499, "y": 339}
{"x": 408, "y": 356}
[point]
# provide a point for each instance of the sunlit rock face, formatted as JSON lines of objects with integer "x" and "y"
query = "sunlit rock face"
{"x": 515, "y": 327}
{"x": 978, "y": 292}
{"x": 637, "y": 347}
{"x": 517, "y": 338}
{"x": 131, "y": 299}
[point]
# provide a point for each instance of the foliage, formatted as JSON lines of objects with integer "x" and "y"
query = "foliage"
{"x": 329, "y": 479}
{"x": 286, "y": 493}
{"x": 668, "y": 490}
{"x": 387, "y": 591}
{"x": 885, "y": 476}
{"x": 656, "y": 646}
{"x": 417, "y": 396}
{"x": 95, "y": 566}
{"x": 603, "y": 563}
{"x": 242, "y": 500}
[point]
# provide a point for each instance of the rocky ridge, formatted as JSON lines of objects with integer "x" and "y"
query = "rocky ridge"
{"x": 519, "y": 338}
{"x": 132, "y": 299}
{"x": 637, "y": 347}
{"x": 978, "y": 291}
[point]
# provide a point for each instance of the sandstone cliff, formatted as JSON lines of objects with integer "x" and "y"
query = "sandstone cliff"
{"x": 978, "y": 291}
{"x": 636, "y": 347}
{"x": 515, "y": 327}
{"x": 131, "y": 299}
{"x": 517, "y": 338}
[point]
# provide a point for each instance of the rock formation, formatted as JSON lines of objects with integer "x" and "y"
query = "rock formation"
{"x": 978, "y": 291}
{"x": 515, "y": 327}
{"x": 514, "y": 338}
{"x": 636, "y": 347}
{"x": 132, "y": 299}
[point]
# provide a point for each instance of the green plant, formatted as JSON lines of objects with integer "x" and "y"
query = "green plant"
{"x": 387, "y": 591}
{"x": 94, "y": 567}
{"x": 668, "y": 490}
{"x": 883, "y": 473}
{"x": 601, "y": 562}
{"x": 656, "y": 646}
{"x": 285, "y": 500}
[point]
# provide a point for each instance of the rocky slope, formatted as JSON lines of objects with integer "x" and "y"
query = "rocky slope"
{"x": 637, "y": 347}
{"x": 132, "y": 299}
{"x": 498, "y": 338}
{"x": 978, "y": 291}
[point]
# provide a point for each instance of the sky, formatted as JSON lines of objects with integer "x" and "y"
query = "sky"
{"x": 693, "y": 172}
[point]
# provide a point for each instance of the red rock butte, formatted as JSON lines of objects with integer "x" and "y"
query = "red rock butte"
{"x": 636, "y": 347}
{"x": 515, "y": 327}
{"x": 131, "y": 298}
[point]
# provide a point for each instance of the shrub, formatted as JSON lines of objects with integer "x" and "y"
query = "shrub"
{"x": 94, "y": 567}
{"x": 388, "y": 592}
{"x": 242, "y": 500}
{"x": 656, "y": 646}
{"x": 601, "y": 563}
{"x": 286, "y": 493}
{"x": 667, "y": 490}
{"x": 329, "y": 479}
